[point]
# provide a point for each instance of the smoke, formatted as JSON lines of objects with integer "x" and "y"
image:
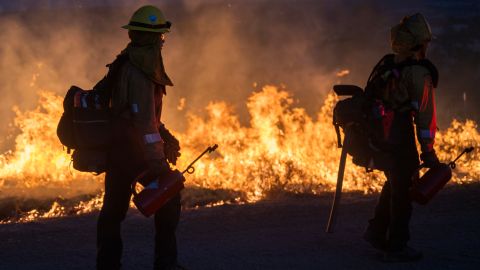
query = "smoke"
{"x": 224, "y": 50}
{"x": 48, "y": 50}
{"x": 217, "y": 50}
{"x": 227, "y": 50}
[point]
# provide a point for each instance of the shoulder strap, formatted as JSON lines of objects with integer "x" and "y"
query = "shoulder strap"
{"x": 433, "y": 70}
{"x": 386, "y": 60}
{"x": 386, "y": 63}
{"x": 424, "y": 63}
{"x": 107, "y": 84}
{"x": 114, "y": 72}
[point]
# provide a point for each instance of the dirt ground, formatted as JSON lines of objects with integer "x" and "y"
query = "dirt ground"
{"x": 279, "y": 233}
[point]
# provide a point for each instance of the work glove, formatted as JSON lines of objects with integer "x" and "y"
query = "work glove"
{"x": 156, "y": 168}
{"x": 171, "y": 145}
{"x": 429, "y": 159}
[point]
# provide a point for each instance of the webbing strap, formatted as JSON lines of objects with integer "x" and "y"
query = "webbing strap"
{"x": 388, "y": 60}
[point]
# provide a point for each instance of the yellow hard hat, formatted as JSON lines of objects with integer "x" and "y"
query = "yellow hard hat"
{"x": 411, "y": 32}
{"x": 148, "y": 19}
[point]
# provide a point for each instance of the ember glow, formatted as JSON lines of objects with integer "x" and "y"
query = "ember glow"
{"x": 281, "y": 149}
{"x": 343, "y": 73}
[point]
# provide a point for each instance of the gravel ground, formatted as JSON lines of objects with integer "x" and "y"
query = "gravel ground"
{"x": 280, "y": 233}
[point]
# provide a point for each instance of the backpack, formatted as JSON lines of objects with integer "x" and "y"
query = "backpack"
{"x": 366, "y": 117}
{"x": 84, "y": 126}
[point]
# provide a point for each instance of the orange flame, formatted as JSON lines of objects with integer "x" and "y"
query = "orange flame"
{"x": 283, "y": 148}
{"x": 39, "y": 166}
{"x": 343, "y": 73}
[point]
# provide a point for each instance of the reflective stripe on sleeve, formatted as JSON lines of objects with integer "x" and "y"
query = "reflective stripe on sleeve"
{"x": 152, "y": 138}
{"x": 426, "y": 134}
{"x": 134, "y": 108}
{"x": 84, "y": 101}
{"x": 414, "y": 105}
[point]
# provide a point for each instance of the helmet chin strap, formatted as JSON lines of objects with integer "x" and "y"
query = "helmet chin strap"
{"x": 422, "y": 52}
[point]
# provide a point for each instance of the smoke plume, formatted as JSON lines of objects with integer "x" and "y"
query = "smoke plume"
{"x": 225, "y": 50}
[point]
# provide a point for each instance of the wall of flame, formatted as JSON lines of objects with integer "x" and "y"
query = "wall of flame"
{"x": 282, "y": 149}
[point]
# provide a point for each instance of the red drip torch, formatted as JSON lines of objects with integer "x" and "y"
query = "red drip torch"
{"x": 425, "y": 187}
{"x": 160, "y": 191}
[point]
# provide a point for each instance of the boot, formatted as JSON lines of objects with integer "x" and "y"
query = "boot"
{"x": 406, "y": 254}
{"x": 375, "y": 239}
{"x": 176, "y": 266}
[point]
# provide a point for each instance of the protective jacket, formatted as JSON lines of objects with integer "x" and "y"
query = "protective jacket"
{"x": 136, "y": 105}
{"x": 409, "y": 94}
{"x": 138, "y": 100}
{"x": 419, "y": 82}
{"x": 414, "y": 91}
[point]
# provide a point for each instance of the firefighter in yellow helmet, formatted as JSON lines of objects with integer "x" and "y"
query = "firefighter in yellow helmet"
{"x": 411, "y": 96}
{"x": 140, "y": 140}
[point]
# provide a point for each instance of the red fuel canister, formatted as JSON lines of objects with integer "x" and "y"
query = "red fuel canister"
{"x": 430, "y": 183}
{"x": 158, "y": 192}
{"x": 427, "y": 186}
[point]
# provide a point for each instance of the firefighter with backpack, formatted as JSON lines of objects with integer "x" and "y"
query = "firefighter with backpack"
{"x": 405, "y": 82}
{"x": 139, "y": 139}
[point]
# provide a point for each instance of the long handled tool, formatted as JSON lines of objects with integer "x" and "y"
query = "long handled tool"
{"x": 338, "y": 190}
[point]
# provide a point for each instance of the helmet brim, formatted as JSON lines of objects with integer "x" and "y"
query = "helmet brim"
{"x": 144, "y": 29}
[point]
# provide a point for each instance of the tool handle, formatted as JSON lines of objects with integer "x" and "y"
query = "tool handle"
{"x": 190, "y": 169}
{"x": 452, "y": 164}
{"x": 339, "y": 137}
{"x": 466, "y": 150}
{"x": 338, "y": 190}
